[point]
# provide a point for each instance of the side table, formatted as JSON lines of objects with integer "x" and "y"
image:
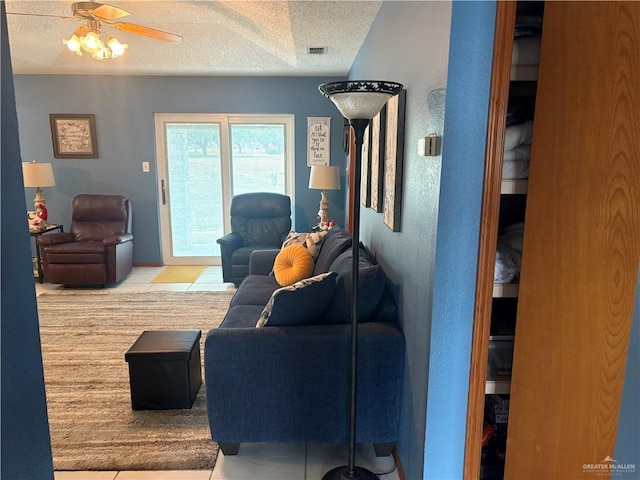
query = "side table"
{"x": 35, "y": 234}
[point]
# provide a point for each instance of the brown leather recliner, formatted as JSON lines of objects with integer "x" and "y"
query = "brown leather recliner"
{"x": 98, "y": 249}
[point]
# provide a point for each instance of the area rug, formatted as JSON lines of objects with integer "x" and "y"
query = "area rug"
{"x": 84, "y": 339}
{"x": 179, "y": 274}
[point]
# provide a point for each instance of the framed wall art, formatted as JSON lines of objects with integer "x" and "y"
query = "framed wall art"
{"x": 377, "y": 126}
{"x": 365, "y": 187}
{"x": 393, "y": 161}
{"x": 73, "y": 135}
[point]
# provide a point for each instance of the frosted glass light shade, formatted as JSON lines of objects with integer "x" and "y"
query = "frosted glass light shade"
{"x": 37, "y": 174}
{"x": 360, "y": 99}
{"x": 324, "y": 178}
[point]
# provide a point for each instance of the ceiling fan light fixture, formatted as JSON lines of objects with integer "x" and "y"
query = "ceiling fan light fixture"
{"x": 117, "y": 48}
{"x": 74, "y": 44}
{"x": 91, "y": 41}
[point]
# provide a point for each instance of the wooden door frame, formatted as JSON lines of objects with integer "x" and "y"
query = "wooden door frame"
{"x": 497, "y": 117}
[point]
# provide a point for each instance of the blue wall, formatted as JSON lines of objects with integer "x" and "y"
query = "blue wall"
{"x": 26, "y": 451}
{"x": 432, "y": 261}
{"x": 416, "y": 55}
{"x": 465, "y": 132}
{"x": 124, "y": 108}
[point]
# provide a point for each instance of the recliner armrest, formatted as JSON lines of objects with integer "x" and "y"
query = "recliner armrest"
{"x": 117, "y": 238}
{"x": 55, "y": 239}
{"x": 231, "y": 241}
{"x": 261, "y": 261}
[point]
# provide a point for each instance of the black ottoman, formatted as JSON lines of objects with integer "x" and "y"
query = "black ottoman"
{"x": 164, "y": 369}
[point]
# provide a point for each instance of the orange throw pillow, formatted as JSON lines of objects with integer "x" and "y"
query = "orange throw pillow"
{"x": 292, "y": 264}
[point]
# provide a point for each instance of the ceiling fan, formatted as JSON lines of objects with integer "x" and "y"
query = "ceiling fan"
{"x": 89, "y": 37}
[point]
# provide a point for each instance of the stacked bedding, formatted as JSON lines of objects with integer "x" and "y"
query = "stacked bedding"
{"x": 509, "y": 254}
{"x": 517, "y": 151}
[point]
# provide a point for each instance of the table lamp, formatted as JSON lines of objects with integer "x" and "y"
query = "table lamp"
{"x": 358, "y": 101}
{"x": 324, "y": 177}
{"x": 38, "y": 175}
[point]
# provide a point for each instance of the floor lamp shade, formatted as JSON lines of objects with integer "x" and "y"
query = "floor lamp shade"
{"x": 358, "y": 101}
{"x": 324, "y": 178}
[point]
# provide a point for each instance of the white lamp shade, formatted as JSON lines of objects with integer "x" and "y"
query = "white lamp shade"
{"x": 360, "y": 99}
{"x": 37, "y": 174}
{"x": 324, "y": 178}
{"x": 359, "y": 105}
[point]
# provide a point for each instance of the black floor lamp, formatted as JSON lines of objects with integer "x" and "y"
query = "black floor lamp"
{"x": 358, "y": 101}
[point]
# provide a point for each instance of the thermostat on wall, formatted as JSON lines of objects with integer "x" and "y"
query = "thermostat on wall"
{"x": 427, "y": 145}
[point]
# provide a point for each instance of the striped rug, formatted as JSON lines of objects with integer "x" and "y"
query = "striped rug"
{"x": 84, "y": 338}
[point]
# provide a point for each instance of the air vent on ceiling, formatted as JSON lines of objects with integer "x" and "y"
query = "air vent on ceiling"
{"x": 316, "y": 50}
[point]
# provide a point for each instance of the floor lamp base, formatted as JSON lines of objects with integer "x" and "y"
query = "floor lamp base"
{"x": 342, "y": 473}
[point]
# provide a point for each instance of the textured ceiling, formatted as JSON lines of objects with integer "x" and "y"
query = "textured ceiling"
{"x": 220, "y": 37}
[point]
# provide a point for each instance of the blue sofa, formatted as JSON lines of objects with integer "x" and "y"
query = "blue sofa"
{"x": 291, "y": 383}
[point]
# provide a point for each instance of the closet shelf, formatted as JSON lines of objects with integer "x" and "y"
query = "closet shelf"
{"x": 512, "y": 187}
{"x": 524, "y": 73}
{"x": 505, "y": 290}
{"x": 500, "y": 385}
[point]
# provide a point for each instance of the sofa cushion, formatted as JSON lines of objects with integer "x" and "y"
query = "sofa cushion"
{"x": 241, "y": 316}
{"x": 335, "y": 242}
{"x": 292, "y": 264}
{"x": 311, "y": 241}
{"x": 255, "y": 290}
{"x": 371, "y": 284}
{"x": 302, "y": 303}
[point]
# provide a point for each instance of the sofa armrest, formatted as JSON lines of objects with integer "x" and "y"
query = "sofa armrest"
{"x": 117, "y": 238}
{"x": 261, "y": 261}
{"x": 292, "y": 384}
{"x": 55, "y": 239}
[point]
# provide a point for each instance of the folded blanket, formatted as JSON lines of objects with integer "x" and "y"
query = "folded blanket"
{"x": 521, "y": 152}
{"x": 509, "y": 254}
{"x": 526, "y": 51}
{"x": 513, "y": 235}
{"x": 515, "y": 169}
{"x": 517, "y": 135}
{"x": 505, "y": 268}
{"x": 528, "y": 26}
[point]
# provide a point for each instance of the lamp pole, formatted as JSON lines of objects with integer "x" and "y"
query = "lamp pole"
{"x": 359, "y": 102}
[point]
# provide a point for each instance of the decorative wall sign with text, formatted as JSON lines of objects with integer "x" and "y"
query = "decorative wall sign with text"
{"x": 318, "y": 141}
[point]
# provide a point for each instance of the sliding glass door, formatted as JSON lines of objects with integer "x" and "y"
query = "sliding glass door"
{"x": 203, "y": 160}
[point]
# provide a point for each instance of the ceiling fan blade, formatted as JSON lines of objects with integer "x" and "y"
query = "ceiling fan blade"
{"x": 147, "y": 32}
{"x": 109, "y": 12}
{"x": 43, "y": 15}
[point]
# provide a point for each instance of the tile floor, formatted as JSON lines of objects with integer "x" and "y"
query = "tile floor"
{"x": 255, "y": 461}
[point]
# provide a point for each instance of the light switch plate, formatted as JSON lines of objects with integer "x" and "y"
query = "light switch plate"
{"x": 145, "y": 167}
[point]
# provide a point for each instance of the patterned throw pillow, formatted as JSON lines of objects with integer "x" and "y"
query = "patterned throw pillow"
{"x": 302, "y": 303}
{"x": 311, "y": 241}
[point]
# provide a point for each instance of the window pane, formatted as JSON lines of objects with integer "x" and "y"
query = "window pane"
{"x": 258, "y": 158}
{"x": 195, "y": 183}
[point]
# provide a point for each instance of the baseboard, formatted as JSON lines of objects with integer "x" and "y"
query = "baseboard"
{"x": 150, "y": 264}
